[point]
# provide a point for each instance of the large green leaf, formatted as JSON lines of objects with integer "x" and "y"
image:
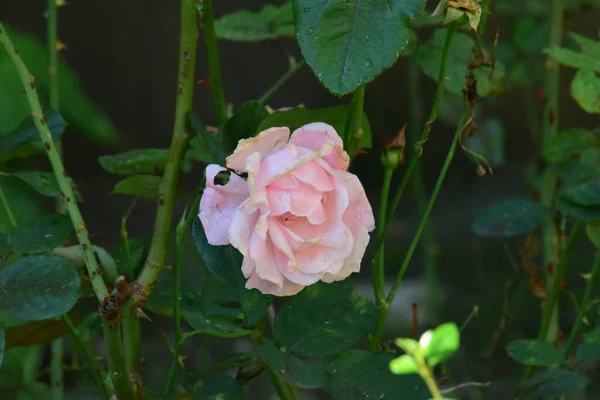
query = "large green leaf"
{"x": 349, "y": 42}
{"x": 569, "y": 144}
{"x": 44, "y": 183}
{"x": 582, "y": 213}
{"x": 21, "y": 201}
{"x": 39, "y": 287}
{"x": 138, "y": 161}
{"x": 358, "y": 375}
{"x": 146, "y": 186}
{"x": 554, "y": 383}
{"x": 535, "y": 352}
{"x": 242, "y": 124}
{"x": 324, "y": 319}
{"x": 589, "y": 349}
{"x": 334, "y": 116}
{"x": 77, "y": 107}
{"x": 585, "y": 89}
{"x": 220, "y": 388}
{"x": 585, "y": 193}
{"x": 43, "y": 234}
{"x": 292, "y": 368}
{"x": 587, "y": 46}
{"x": 215, "y": 326}
{"x": 225, "y": 262}
{"x": 574, "y": 59}
{"x": 270, "y": 22}
{"x": 25, "y": 140}
{"x": 509, "y": 218}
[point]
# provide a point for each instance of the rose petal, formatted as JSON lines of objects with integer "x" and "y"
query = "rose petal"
{"x": 315, "y": 175}
{"x": 219, "y": 203}
{"x": 359, "y": 204}
{"x": 304, "y": 199}
{"x": 314, "y": 136}
{"x": 266, "y": 287}
{"x": 240, "y": 230}
{"x": 266, "y": 267}
{"x": 360, "y": 235}
{"x": 280, "y": 201}
{"x": 264, "y": 143}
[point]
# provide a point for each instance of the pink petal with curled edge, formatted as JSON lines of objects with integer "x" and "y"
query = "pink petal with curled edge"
{"x": 279, "y": 239}
{"x": 265, "y": 143}
{"x": 280, "y": 200}
{"x": 315, "y": 175}
{"x": 266, "y": 287}
{"x": 240, "y": 230}
{"x": 314, "y": 136}
{"x": 266, "y": 267}
{"x": 219, "y": 203}
{"x": 359, "y": 204}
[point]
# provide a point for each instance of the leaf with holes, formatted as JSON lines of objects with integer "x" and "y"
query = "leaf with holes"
{"x": 45, "y": 233}
{"x": 358, "y": 375}
{"x": 509, "y": 218}
{"x": 39, "y": 287}
{"x": 347, "y": 43}
{"x": 270, "y": 22}
{"x": 292, "y": 368}
{"x": 324, "y": 319}
{"x": 535, "y": 352}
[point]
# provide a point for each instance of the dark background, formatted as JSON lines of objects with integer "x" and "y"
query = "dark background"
{"x": 125, "y": 54}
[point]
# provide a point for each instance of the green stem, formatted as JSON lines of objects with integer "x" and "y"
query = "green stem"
{"x": 379, "y": 267}
{"x": 188, "y": 39}
{"x": 295, "y": 66}
{"x": 282, "y": 389}
{"x": 56, "y": 370}
{"x": 37, "y": 115}
{"x": 584, "y": 304}
{"x": 424, "y": 133}
{"x": 377, "y": 336}
{"x": 52, "y": 55}
{"x": 132, "y": 348}
{"x": 414, "y": 124}
{"x": 353, "y": 130}
{"x": 116, "y": 363}
{"x": 9, "y": 213}
{"x": 432, "y": 385}
{"x": 550, "y": 232}
{"x": 94, "y": 367}
{"x": 175, "y": 363}
{"x": 214, "y": 63}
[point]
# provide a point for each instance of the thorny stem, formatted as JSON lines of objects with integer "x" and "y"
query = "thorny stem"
{"x": 94, "y": 369}
{"x": 584, "y": 304}
{"x": 550, "y": 232}
{"x": 175, "y": 362}
{"x": 295, "y": 66}
{"x": 132, "y": 348}
{"x": 378, "y": 334}
{"x": 214, "y": 63}
{"x": 353, "y": 130}
{"x": 56, "y": 370}
{"x": 379, "y": 267}
{"x": 116, "y": 363}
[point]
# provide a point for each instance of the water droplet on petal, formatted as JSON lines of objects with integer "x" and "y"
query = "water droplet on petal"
{"x": 311, "y": 31}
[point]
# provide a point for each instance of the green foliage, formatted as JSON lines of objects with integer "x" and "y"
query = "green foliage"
{"x": 324, "y": 319}
{"x": 220, "y": 388}
{"x": 535, "y": 352}
{"x": 242, "y": 124}
{"x": 356, "y": 374}
{"x": 146, "y": 186}
{"x": 25, "y": 140}
{"x": 569, "y": 144}
{"x": 404, "y": 365}
{"x": 77, "y": 107}
{"x": 585, "y": 89}
{"x": 270, "y": 22}
{"x": 43, "y": 234}
{"x": 593, "y": 232}
{"x": 292, "y": 368}
{"x": 138, "y": 161}
{"x": 44, "y": 183}
{"x": 509, "y": 218}
{"x": 343, "y": 46}
{"x": 1, "y": 343}
{"x": 589, "y": 349}
{"x": 20, "y": 199}
{"x": 225, "y": 263}
{"x": 555, "y": 382}
{"x": 585, "y": 193}
{"x": 334, "y": 116}
{"x": 214, "y": 326}
{"x": 489, "y": 142}
{"x": 443, "y": 343}
{"x": 205, "y": 146}
{"x": 39, "y": 287}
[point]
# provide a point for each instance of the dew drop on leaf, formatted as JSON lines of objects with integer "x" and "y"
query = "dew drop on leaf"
{"x": 311, "y": 31}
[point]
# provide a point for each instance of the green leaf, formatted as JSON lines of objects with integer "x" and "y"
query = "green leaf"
{"x": 21, "y": 200}
{"x": 555, "y": 382}
{"x": 429, "y": 57}
{"x": 445, "y": 340}
{"x": 349, "y": 42}
{"x": 585, "y": 89}
{"x": 270, "y": 22}
{"x": 509, "y": 218}
{"x": 44, "y": 183}
{"x": 535, "y": 352}
{"x": 589, "y": 349}
{"x": 358, "y": 375}
{"x": 588, "y": 46}
{"x": 205, "y": 146}
{"x": 593, "y": 232}
{"x": 582, "y": 213}
{"x": 292, "y": 368}
{"x": 574, "y": 59}
{"x": 25, "y": 140}
{"x": 138, "y": 249}
{"x": 146, "y": 186}
{"x": 334, "y": 116}
{"x": 215, "y": 326}
{"x": 404, "y": 365}
{"x": 585, "y": 193}
{"x": 324, "y": 319}
{"x": 77, "y": 107}
{"x": 242, "y": 124}
{"x": 569, "y": 144}
{"x": 39, "y": 287}
{"x": 1, "y": 343}
{"x": 43, "y": 234}
{"x": 491, "y": 81}
{"x": 225, "y": 262}
{"x": 220, "y": 388}
{"x": 138, "y": 161}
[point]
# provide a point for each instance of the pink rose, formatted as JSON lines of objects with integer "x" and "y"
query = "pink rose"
{"x": 301, "y": 217}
